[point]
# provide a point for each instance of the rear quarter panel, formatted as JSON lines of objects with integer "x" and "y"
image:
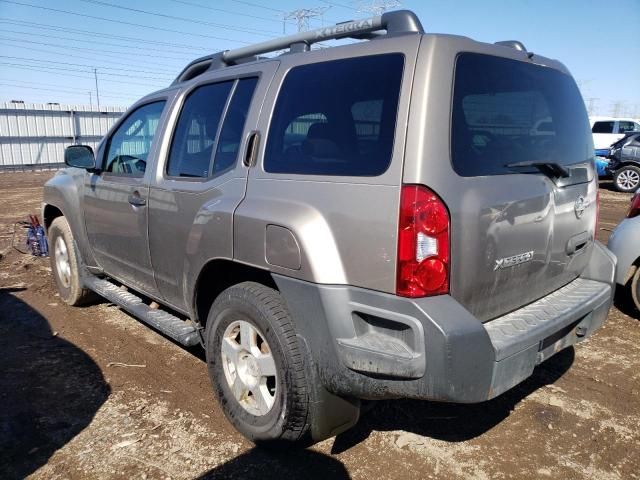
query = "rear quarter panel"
{"x": 345, "y": 227}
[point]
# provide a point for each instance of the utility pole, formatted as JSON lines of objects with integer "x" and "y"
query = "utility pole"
{"x": 302, "y": 16}
{"x": 617, "y": 106}
{"x": 377, "y": 7}
{"x": 95, "y": 74}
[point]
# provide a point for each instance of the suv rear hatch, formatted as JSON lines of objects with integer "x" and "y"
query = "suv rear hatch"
{"x": 521, "y": 147}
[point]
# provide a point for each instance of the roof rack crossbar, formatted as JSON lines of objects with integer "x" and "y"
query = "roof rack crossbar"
{"x": 401, "y": 21}
{"x": 395, "y": 23}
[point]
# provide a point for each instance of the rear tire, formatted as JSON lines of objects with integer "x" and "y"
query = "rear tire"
{"x": 256, "y": 365}
{"x": 627, "y": 179}
{"x": 66, "y": 264}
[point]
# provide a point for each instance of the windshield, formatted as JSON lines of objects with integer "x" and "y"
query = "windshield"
{"x": 507, "y": 111}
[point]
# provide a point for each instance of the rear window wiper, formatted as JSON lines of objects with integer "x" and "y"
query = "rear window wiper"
{"x": 551, "y": 169}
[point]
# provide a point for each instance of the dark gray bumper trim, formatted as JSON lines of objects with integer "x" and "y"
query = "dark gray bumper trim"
{"x": 529, "y": 325}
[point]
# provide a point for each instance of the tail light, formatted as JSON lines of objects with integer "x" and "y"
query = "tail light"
{"x": 423, "y": 243}
{"x": 634, "y": 209}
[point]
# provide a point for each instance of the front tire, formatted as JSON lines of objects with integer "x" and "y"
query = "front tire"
{"x": 627, "y": 179}
{"x": 257, "y": 366}
{"x": 66, "y": 264}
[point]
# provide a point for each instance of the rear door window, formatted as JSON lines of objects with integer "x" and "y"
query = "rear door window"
{"x": 192, "y": 146}
{"x": 603, "y": 127}
{"x": 506, "y": 111}
{"x": 234, "y": 122}
{"x": 209, "y": 131}
{"x": 336, "y": 117}
{"x": 625, "y": 126}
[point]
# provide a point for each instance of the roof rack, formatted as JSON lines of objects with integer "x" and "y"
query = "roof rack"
{"x": 394, "y": 23}
{"x": 515, "y": 44}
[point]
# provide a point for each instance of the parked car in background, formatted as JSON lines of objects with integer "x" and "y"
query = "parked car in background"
{"x": 607, "y": 130}
{"x": 602, "y": 166}
{"x": 624, "y": 242}
{"x": 624, "y": 162}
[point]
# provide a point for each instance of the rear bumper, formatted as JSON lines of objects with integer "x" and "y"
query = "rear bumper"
{"x": 374, "y": 345}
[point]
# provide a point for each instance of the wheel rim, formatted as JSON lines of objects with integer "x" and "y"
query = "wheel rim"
{"x": 249, "y": 367}
{"x": 629, "y": 179}
{"x": 63, "y": 267}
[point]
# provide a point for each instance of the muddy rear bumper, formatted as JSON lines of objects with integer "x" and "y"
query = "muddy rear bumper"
{"x": 373, "y": 345}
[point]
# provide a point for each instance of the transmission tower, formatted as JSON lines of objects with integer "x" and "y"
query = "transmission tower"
{"x": 377, "y": 7}
{"x": 616, "y": 109}
{"x": 302, "y": 16}
{"x": 591, "y": 105}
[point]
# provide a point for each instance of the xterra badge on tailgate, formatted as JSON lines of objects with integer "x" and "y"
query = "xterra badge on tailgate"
{"x": 513, "y": 261}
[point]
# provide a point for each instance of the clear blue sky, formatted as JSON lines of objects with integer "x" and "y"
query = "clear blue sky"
{"x": 48, "y": 56}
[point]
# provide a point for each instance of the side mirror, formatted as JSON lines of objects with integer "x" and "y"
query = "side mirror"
{"x": 80, "y": 156}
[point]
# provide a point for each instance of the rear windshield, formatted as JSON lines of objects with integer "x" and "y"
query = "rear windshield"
{"x": 507, "y": 111}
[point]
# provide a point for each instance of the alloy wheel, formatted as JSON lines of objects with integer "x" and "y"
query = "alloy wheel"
{"x": 249, "y": 367}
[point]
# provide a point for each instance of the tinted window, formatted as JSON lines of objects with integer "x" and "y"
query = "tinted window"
{"x": 603, "y": 127}
{"x": 233, "y": 126}
{"x": 336, "y": 118}
{"x": 130, "y": 144}
{"x": 624, "y": 127}
{"x": 506, "y": 111}
{"x": 192, "y": 146}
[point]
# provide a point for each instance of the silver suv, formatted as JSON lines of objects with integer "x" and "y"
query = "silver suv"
{"x": 374, "y": 220}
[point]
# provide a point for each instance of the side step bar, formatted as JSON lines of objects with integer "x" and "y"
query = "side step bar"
{"x": 181, "y": 331}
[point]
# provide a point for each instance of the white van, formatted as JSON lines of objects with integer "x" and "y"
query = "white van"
{"x": 607, "y": 130}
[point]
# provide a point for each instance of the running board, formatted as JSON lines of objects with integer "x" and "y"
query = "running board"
{"x": 181, "y": 331}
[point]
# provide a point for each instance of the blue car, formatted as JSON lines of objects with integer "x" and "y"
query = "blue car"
{"x": 601, "y": 166}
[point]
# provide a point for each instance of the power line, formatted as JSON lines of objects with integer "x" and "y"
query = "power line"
{"x": 258, "y": 6}
{"x": 342, "y": 5}
{"x": 76, "y": 31}
{"x": 73, "y": 92}
{"x": 168, "y": 74}
{"x": 27, "y": 84}
{"x": 38, "y": 88}
{"x": 377, "y": 7}
{"x": 67, "y": 69}
{"x": 84, "y": 41}
{"x": 242, "y": 14}
{"x": 66, "y": 74}
{"x": 119, "y": 63}
{"x": 183, "y": 19}
{"x": 122, "y": 22}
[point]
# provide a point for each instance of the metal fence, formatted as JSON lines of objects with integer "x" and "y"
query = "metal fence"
{"x": 34, "y": 136}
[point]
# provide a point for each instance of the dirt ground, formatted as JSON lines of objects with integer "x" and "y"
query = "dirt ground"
{"x": 69, "y": 411}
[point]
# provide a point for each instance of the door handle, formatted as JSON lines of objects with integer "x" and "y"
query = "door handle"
{"x": 136, "y": 200}
{"x": 251, "y": 154}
